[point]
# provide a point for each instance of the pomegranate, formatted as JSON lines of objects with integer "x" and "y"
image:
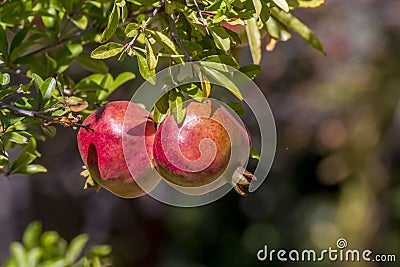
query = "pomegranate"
{"x": 117, "y": 149}
{"x": 204, "y": 151}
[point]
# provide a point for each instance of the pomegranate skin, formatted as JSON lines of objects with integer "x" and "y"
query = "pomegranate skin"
{"x": 192, "y": 131}
{"x": 114, "y": 163}
{"x": 193, "y": 156}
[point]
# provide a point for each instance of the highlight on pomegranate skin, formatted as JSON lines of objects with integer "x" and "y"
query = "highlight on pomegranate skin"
{"x": 117, "y": 151}
{"x": 202, "y": 152}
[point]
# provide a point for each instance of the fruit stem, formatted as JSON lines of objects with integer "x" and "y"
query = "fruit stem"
{"x": 241, "y": 180}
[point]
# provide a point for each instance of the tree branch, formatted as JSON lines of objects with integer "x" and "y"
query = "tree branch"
{"x": 45, "y": 118}
{"x": 176, "y": 38}
{"x": 141, "y": 29}
{"x": 199, "y": 13}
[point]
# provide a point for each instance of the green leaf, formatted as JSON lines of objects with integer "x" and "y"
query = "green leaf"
{"x": 221, "y": 38}
{"x": 176, "y": 99}
{"x": 273, "y": 28}
{"x": 306, "y": 3}
{"x": 161, "y": 108}
{"x": 251, "y": 70}
{"x": 37, "y": 81}
{"x": 25, "y": 158}
{"x": 192, "y": 90}
{"x": 49, "y": 130}
{"x": 91, "y": 64}
{"x": 19, "y": 253}
{"x": 32, "y": 169}
{"x": 81, "y": 22}
{"x": 237, "y": 107}
{"x": 16, "y": 138}
{"x": 3, "y": 41}
{"x": 257, "y": 7}
{"x": 254, "y": 154}
{"x": 75, "y": 248}
{"x": 33, "y": 256}
{"x": 298, "y": 27}
{"x": 31, "y": 237}
{"x": 107, "y": 50}
{"x": 4, "y": 78}
{"x": 144, "y": 70}
{"x": 166, "y": 43}
{"x": 151, "y": 56}
{"x": 101, "y": 251}
{"x": 49, "y": 238}
{"x": 18, "y": 38}
{"x": 254, "y": 38}
{"x": 226, "y": 81}
{"x": 111, "y": 26}
{"x": 47, "y": 88}
{"x": 282, "y": 4}
{"x": 131, "y": 30}
{"x": 222, "y": 59}
{"x": 124, "y": 13}
{"x": 121, "y": 79}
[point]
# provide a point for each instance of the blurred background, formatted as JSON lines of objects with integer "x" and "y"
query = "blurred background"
{"x": 335, "y": 174}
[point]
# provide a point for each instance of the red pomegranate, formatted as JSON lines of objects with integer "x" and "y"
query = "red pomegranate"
{"x": 117, "y": 149}
{"x": 196, "y": 155}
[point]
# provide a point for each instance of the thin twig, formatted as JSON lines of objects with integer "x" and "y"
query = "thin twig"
{"x": 41, "y": 115}
{"x": 199, "y": 13}
{"x": 28, "y": 113}
{"x": 13, "y": 95}
{"x": 142, "y": 28}
{"x": 176, "y": 38}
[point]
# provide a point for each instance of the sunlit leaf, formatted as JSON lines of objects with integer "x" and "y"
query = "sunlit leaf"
{"x": 151, "y": 56}
{"x": 220, "y": 78}
{"x": 107, "y": 50}
{"x": 81, "y": 22}
{"x": 4, "y": 78}
{"x": 144, "y": 70}
{"x": 282, "y": 4}
{"x": 251, "y": 70}
{"x": 131, "y": 30}
{"x": 111, "y": 26}
{"x": 221, "y": 38}
{"x": 176, "y": 105}
{"x": 298, "y": 27}
{"x": 254, "y": 38}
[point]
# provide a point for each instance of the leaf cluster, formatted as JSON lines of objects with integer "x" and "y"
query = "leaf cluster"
{"x": 49, "y": 249}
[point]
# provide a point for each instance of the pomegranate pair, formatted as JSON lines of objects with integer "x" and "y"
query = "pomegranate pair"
{"x": 123, "y": 147}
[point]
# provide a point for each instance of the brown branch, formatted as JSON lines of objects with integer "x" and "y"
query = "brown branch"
{"x": 47, "y": 120}
{"x": 199, "y": 13}
{"x": 176, "y": 38}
